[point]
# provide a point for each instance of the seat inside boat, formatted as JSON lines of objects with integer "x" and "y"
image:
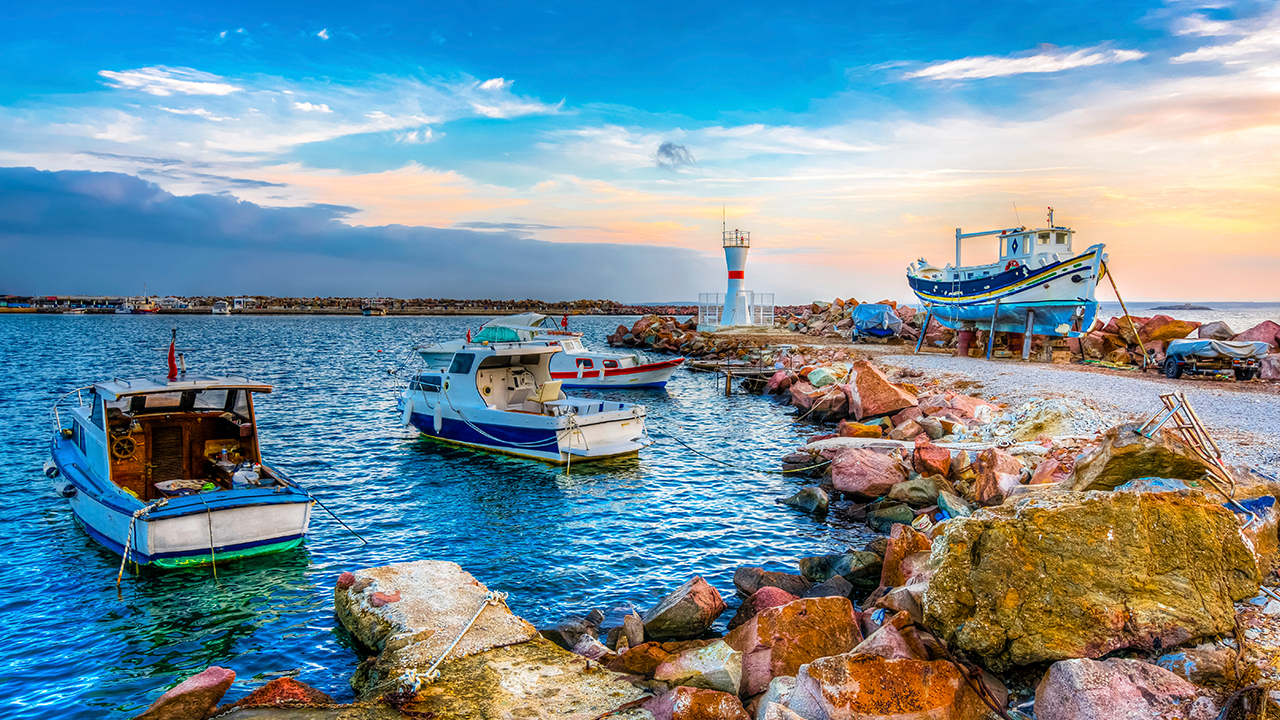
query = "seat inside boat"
{"x": 182, "y": 442}
{"x": 511, "y": 383}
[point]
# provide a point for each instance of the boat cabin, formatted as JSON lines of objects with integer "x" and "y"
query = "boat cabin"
{"x": 1033, "y": 248}
{"x": 157, "y": 438}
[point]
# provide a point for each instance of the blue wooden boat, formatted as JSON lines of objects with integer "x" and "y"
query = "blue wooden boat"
{"x": 1039, "y": 285}
{"x": 502, "y": 398}
{"x": 168, "y": 472}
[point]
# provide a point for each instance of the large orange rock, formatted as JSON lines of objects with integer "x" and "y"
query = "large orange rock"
{"x": 870, "y": 393}
{"x": 869, "y": 687}
{"x": 1163, "y": 327}
{"x": 903, "y": 541}
{"x": 857, "y": 429}
{"x": 778, "y": 640}
{"x": 996, "y": 474}
{"x": 765, "y": 597}
{"x": 686, "y": 703}
{"x": 929, "y": 459}
{"x": 686, "y": 612}
{"x": 282, "y": 691}
{"x": 865, "y": 473}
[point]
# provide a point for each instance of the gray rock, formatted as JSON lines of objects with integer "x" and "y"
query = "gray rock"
{"x": 634, "y": 627}
{"x": 810, "y": 499}
{"x": 920, "y": 492}
{"x": 856, "y": 565}
{"x": 834, "y": 586}
{"x": 686, "y": 612}
{"x": 932, "y": 426}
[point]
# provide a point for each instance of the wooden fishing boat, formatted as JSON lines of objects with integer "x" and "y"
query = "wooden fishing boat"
{"x": 168, "y": 471}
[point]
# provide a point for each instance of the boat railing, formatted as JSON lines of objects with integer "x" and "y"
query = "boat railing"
{"x": 57, "y": 416}
{"x": 582, "y": 406}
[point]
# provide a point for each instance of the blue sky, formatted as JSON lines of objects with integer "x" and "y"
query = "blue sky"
{"x": 850, "y": 138}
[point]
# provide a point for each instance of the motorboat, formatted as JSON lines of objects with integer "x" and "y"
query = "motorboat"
{"x": 575, "y": 366}
{"x": 1038, "y": 286}
{"x": 125, "y": 308}
{"x": 168, "y": 471}
{"x": 221, "y": 308}
{"x": 501, "y": 397}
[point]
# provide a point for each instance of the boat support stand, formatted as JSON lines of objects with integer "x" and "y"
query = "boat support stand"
{"x": 928, "y": 314}
{"x": 991, "y": 335}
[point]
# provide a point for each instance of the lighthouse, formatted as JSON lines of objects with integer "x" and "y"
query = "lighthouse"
{"x": 738, "y": 307}
{"x": 736, "y": 311}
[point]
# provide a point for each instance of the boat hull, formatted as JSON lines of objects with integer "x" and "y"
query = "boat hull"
{"x": 1059, "y": 298}
{"x": 650, "y": 375}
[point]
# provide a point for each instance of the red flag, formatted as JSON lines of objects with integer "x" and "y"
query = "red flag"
{"x": 468, "y": 334}
{"x": 173, "y": 361}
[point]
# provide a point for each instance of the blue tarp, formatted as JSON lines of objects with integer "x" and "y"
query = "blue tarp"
{"x": 878, "y": 320}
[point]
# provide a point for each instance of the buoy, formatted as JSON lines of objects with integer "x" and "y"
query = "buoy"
{"x": 408, "y": 412}
{"x": 51, "y": 468}
{"x": 437, "y": 422}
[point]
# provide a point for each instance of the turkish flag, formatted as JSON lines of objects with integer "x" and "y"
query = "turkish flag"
{"x": 173, "y": 361}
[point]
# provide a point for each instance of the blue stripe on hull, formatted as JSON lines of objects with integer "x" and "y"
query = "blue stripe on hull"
{"x": 642, "y": 386}
{"x": 1013, "y": 316}
{"x": 520, "y": 441}
{"x": 138, "y": 557}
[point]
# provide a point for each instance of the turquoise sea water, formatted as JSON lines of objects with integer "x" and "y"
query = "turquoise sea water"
{"x": 614, "y": 535}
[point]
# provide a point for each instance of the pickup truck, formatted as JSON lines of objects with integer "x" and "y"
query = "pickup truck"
{"x": 1212, "y": 357}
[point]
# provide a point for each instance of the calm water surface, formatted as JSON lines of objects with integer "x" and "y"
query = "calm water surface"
{"x": 612, "y": 535}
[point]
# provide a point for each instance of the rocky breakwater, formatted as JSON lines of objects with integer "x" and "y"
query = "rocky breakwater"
{"x": 836, "y": 319}
{"x": 410, "y": 615}
{"x": 1116, "y": 341}
{"x": 669, "y": 335}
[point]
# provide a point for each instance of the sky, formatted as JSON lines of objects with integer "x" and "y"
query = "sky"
{"x": 595, "y": 150}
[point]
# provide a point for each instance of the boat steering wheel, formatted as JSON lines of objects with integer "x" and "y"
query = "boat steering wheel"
{"x": 123, "y": 447}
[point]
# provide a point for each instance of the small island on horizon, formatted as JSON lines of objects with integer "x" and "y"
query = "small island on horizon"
{"x": 1183, "y": 306}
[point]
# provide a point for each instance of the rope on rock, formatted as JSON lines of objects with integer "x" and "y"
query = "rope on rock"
{"x": 412, "y": 680}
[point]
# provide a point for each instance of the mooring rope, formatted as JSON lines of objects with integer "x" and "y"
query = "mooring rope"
{"x": 128, "y": 541}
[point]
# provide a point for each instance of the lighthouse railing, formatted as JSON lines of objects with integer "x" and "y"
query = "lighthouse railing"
{"x": 710, "y": 306}
{"x": 761, "y": 308}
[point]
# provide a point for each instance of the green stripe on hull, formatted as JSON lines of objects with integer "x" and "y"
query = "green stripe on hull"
{"x": 188, "y": 561}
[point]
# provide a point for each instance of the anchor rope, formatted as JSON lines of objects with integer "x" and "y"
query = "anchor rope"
{"x": 128, "y": 541}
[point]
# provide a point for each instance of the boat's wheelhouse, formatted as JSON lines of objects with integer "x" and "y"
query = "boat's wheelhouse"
{"x": 153, "y": 438}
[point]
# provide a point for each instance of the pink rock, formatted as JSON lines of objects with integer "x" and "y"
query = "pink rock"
{"x": 686, "y": 703}
{"x": 380, "y": 598}
{"x": 895, "y": 640}
{"x": 346, "y": 580}
{"x": 686, "y": 612}
{"x": 780, "y": 382}
{"x": 1050, "y": 470}
{"x": 911, "y": 413}
{"x": 800, "y": 396}
{"x": 193, "y": 698}
{"x": 870, "y": 394}
{"x": 1115, "y": 689}
{"x": 778, "y": 640}
{"x": 1265, "y": 331}
{"x": 765, "y": 597}
{"x": 907, "y": 431}
{"x": 903, "y": 542}
{"x": 905, "y": 313}
{"x": 929, "y": 459}
{"x": 967, "y": 405}
{"x": 865, "y": 473}
{"x": 1271, "y": 367}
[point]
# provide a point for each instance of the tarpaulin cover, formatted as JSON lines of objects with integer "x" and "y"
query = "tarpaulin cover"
{"x": 1207, "y": 348}
{"x": 496, "y": 333}
{"x": 878, "y": 320}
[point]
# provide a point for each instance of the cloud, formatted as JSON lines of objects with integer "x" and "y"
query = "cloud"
{"x": 323, "y": 34}
{"x": 493, "y": 99}
{"x": 107, "y": 232}
{"x": 987, "y": 66}
{"x": 165, "y": 81}
{"x": 1259, "y": 43}
{"x": 496, "y": 84}
{"x": 199, "y": 112}
{"x": 671, "y": 156}
{"x": 1202, "y": 26}
{"x": 308, "y": 107}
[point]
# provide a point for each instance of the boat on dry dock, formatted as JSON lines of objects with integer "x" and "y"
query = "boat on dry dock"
{"x": 168, "y": 471}
{"x": 575, "y": 366}
{"x": 1039, "y": 285}
{"x": 502, "y": 398}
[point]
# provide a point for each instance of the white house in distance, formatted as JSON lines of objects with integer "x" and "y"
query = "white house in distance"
{"x": 736, "y": 307}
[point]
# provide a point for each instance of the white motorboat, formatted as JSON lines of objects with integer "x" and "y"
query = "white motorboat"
{"x": 575, "y": 366}
{"x": 221, "y": 308}
{"x": 501, "y": 397}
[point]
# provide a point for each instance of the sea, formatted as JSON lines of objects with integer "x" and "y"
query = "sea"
{"x": 614, "y": 535}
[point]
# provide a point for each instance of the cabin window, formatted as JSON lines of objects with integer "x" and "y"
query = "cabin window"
{"x": 462, "y": 363}
{"x": 611, "y": 363}
{"x": 77, "y": 436}
{"x": 1061, "y": 239}
{"x": 240, "y": 404}
{"x": 1043, "y": 239}
{"x": 530, "y": 359}
{"x": 210, "y": 400}
{"x": 161, "y": 401}
{"x": 1044, "y": 236}
{"x": 96, "y": 413}
{"x": 585, "y": 364}
{"x": 427, "y": 383}
{"x": 970, "y": 276}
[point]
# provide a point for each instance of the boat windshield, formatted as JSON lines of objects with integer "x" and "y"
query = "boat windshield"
{"x": 496, "y": 333}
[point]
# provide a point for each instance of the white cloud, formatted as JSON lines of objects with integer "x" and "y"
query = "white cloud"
{"x": 165, "y": 81}
{"x": 496, "y": 84}
{"x": 323, "y": 34}
{"x": 308, "y": 107}
{"x": 199, "y": 112}
{"x": 493, "y": 99}
{"x": 987, "y": 66}
{"x": 1204, "y": 27}
{"x": 1263, "y": 42}
{"x": 416, "y": 137}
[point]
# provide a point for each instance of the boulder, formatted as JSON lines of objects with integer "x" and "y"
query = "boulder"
{"x": 932, "y": 427}
{"x": 954, "y": 505}
{"x": 834, "y": 586}
{"x": 780, "y": 382}
{"x": 1265, "y": 331}
{"x": 852, "y": 566}
{"x": 749, "y": 580}
{"x": 1069, "y": 575}
{"x": 996, "y": 473}
{"x": 865, "y": 473}
{"x": 1049, "y": 471}
{"x": 857, "y": 429}
{"x": 1097, "y": 345}
{"x": 777, "y": 695}
{"x": 903, "y": 542}
{"x": 686, "y": 612}
{"x": 592, "y": 649}
{"x": 897, "y": 639}
{"x": 1201, "y": 667}
{"x": 921, "y": 492}
{"x": 1270, "y": 369}
{"x": 714, "y": 667}
{"x": 929, "y": 459}
{"x": 869, "y": 687}
{"x": 870, "y": 394}
{"x": 778, "y": 640}
{"x": 907, "y": 431}
{"x": 882, "y": 518}
{"x": 823, "y": 404}
{"x": 281, "y": 692}
{"x": 765, "y": 597}
{"x": 192, "y": 699}
{"x": 1164, "y": 328}
{"x": 1215, "y": 331}
{"x": 633, "y": 625}
{"x": 811, "y": 499}
{"x": 1126, "y": 454}
{"x": 911, "y": 413}
{"x": 967, "y": 406}
{"x": 687, "y": 703}
{"x": 1116, "y": 689}
{"x": 801, "y": 396}
{"x": 640, "y": 660}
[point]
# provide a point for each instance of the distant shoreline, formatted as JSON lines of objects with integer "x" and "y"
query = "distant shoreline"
{"x": 1184, "y": 306}
{"x": 627, "y": 312}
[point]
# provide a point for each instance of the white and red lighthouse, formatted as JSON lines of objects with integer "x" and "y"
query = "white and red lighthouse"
{"x": 736, "y": 306}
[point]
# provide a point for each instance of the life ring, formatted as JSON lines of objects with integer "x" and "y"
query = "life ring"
{"x": 1012, "y": 264}
{"x": 123, "y": 447}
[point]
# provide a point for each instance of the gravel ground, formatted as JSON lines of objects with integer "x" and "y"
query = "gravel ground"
{"x": 1244, "y": 419}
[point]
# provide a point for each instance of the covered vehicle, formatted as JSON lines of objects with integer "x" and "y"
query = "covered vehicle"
{"x": 875, "y": 320}
{"x": 1210, "y": 357}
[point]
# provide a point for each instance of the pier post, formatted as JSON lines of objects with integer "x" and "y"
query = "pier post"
{"x": 728, "y": 381}
{"x": 1026, "y": 335}
{"x": 928, "y": 314}
{"x": 991, "y": 336}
